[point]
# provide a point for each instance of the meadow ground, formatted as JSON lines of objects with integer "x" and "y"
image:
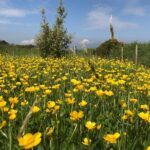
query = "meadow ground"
{"x": 73, "y": 103}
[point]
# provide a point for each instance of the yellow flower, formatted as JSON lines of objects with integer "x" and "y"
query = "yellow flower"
{"x": 80, "y": 87}
{"x": 49, "y": 131}
{"x": 12, "y": 114}
{"x": 3, "y": 124}
{"x": 32, "y": 89}
{"x": 108, "y": 93}
{"x": 144, "y": 116}
{"x": 47, "y": 92}
{"x": 51, "y": 104}
{"x": 64, "y": 78}
{"x": 5, "y": 109}
{"x": 13, "y": 101}
{"x": 98, "y": 127}
{"x": 121, "y": 82}
{"x": 124, "y": 117}
{"x": 2, "y": 104}
{"x": 86, "y": 141}
{"x": 29, "y": 140}
{"x": 24, "y": 103}
{"x": 56, "y": 107}
{"x": 35, "y": 109}
{"x": 68, "y": 95}
{"x": 70, "y": 101}
{"x": 93, "y": 88}
{"x": 56, "y": 86}
{"x": 112, "y": 138}
{"x": 75, "y": 82}
{"x": 74, "y": 115}
{"x": 100, "y": 93}
{"x": 129, "y": 112}
{"x": 144, "y": 107}
{"x": 123, "y": 104}
{"x": 133, "y": 100}
{"x": 90, "y": 125}
{"x": 148, "y": 148}
{"x": 83, "y": 103}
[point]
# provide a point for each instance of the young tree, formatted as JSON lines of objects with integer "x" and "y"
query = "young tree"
{"x": 54, "y": 41}
{"x": 61, "y": 39}
{"x": 43, "y": 38}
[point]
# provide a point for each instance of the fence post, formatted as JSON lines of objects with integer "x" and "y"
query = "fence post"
{"x": 136, "y": 54}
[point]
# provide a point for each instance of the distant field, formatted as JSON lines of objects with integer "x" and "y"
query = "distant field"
{"x": 74, "y": 103}
{"x": 129, "y": 52}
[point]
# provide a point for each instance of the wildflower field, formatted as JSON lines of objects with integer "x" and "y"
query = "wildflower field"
{"x": 73, "y": 104}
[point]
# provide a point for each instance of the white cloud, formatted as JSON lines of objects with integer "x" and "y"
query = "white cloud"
{"x": 84, "y": 43}
{"x": 15, "y": 12}
{"x": 28, "y": 42}
{"x": 99, "y": 19}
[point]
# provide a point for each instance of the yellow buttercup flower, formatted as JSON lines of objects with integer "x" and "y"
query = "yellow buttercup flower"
{"x": 2, "y": 104}
{"x": 124, "y": 117}
{"x": 86, "y": 141}
{"x": 123, "y": 104}
{"x": 3, "y": 124}
{"x": 29, "y": 140}
{"x": 145, "y": 116}
{"x": 83, "y": 103}
{"x": 64, "y": 78}
{"x": 70, "y": 101}
{"x": 129, "y": 112}
{"x": 47, "y": 92}
{"x": 90, "y": 125}
{"x": 75, "y": 82}
{"x": 74, "y": 115}
{"x": 100, "y": 93}
{"x": 56, "y": 86}
{"x": 112, "y": 138}
{"x": 51, "y": 104}
{"x": 12, "y": 114}
{"x": 56, "y": 107}
{"x": 68, "y": 95}
{"x": 98, "y": 127}
{"x": 108, "y": 93}
{"x": 148, "y": 148}
{"x": 35, "y": 109}
{"x": 24, "y": 103}
{"x": 13, "y": 101}
{"x": 133, "y": 100}
{"x": 5, "y": 109}
{"x": 144, "y": 107}
{"x": 32, "y": 89}
{"x": 49, "y": 131}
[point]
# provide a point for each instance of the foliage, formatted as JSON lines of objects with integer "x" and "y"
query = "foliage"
{"x": 109, "y": 48}
{"x": 18, "y": 50}
{"x": 55, "y": 40}
{"x": 43, "y": 40}
{"x": 77, "y": 102}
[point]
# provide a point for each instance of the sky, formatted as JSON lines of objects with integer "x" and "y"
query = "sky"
{"x": 87, "y": 20}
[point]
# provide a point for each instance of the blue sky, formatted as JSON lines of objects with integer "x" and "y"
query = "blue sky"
{"x": 87, "y": 20}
